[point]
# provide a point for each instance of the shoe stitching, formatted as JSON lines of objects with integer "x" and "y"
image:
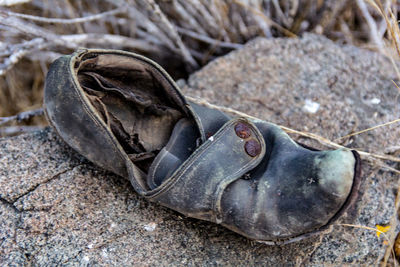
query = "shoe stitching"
{"x": 88, "y": 111}
{"x": 216, "y": 205}
{"x": 179, "y": 173}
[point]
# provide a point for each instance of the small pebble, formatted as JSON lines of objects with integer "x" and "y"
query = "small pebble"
{"x": 150, "y": 227}
{"x": 375, "y": 101}
{"x": 310, "y": 106}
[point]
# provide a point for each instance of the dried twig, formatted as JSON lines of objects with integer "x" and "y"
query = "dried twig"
{"x": 322, "y": 140}
{"x": 12, "y": 2}
{"x": 109, "y": 39}
{"x": 23, "y": 116}
{"x": 21, "y": 51}
{"x": 30, "y": 29}
{"x": 187, "y": 18}
{"x": 208, "y": 40}
{"x": 331, "y": 16}
{"x": 374, "y": 33}
{"x": 268, "y": 20}
{"x": 17, "y": 130}
{"x": 280, "y": 14}
{"x": 65, "y": 21}
{"x": 172, "y": 32}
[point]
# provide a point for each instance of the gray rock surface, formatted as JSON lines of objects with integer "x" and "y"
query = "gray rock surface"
{"x": 56, "y": 208}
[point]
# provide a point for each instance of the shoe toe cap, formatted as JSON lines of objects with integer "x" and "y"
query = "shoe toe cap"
{"x": 336, "y": 173}
{"x": 291, "y": 202}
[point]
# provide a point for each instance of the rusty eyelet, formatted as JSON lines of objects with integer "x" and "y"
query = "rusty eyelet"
{"x": 242, "y": 130}
{"x": 252, "y": 148}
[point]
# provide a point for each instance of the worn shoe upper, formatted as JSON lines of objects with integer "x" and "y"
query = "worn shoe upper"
{"x": 124, "y": 113}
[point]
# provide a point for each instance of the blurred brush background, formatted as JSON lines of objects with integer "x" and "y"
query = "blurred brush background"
{"x": 181, "y": 35}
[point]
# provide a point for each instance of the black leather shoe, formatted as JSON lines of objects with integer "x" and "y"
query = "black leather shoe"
{"x": 123, "y": 112}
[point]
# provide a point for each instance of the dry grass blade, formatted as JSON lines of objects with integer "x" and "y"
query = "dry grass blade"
{"x": 367, "y": 130}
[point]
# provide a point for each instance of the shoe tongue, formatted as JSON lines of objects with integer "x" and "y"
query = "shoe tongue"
{"x": 180, "y": 146}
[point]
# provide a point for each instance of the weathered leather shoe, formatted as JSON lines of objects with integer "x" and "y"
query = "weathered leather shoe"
{"x": 123, "y": 112}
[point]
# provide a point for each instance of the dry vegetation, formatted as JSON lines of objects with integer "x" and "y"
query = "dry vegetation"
{"x": 182, "y": 35}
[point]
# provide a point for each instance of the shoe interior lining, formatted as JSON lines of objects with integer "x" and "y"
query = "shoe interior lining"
{"x": 131, "y": 97}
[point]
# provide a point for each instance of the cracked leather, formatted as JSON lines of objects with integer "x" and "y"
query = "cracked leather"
{"x": 255, "y": 181}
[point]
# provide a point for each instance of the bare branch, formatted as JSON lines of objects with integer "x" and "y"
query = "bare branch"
{"x": 23, "y": 116}
{"x": 30, "y": 29}
{"x": 109, "y": 39}
{"x": 215, "y": 10}
{"x": 44, "y": 56}
{"x": 281, "y": 16}
{"x": 262, "y": 23}
{"x": 267, "y": 20}
{"x": 374, "y": 34}
{"x": 187, "y": 19}
{"x": 65, "y": 21}
{"x": 208, "y": 40}
{"x": 21, "y": 51}
{"x": 17, "y": 130}
{"x": 172, "y": 32}
{"x": 12, "y": 2}
{"x": 208, "y": 22}
{"x": 153, "y": 32}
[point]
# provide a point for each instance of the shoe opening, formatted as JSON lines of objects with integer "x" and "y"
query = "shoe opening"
{"x": 134, "y": 99}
